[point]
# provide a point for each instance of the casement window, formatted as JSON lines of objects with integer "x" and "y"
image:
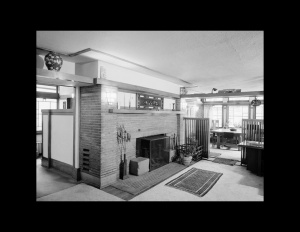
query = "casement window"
{"x": 43, "y": 104}
{"x": 231, "y": 99}
{"x": 47, "y": 98}
{"x": 259, "y": 112}
{"x": 236, "y": 114}
{"x": 126, "y": 100}
{"x": 213, "y": 99}
{"x": 217, "y": 114}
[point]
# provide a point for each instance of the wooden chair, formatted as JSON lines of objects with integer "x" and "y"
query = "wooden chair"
{"x": 213, "y": 139}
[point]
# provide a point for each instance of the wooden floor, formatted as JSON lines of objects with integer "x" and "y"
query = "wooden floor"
{"x": 125, "y": 195}
{"x": 118, "y": 193}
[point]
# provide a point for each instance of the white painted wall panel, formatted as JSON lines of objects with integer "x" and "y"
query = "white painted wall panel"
{"x": 45, "y": 135}
{"x": 62, "y": 138}
{"x": 120, "y": 74}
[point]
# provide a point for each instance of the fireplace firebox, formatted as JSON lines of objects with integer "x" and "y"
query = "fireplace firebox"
{"x": 156, "y": 148}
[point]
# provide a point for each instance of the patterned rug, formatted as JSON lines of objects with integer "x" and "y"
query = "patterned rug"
{"x": 196, "y": 181}
{"x": 213, "y": 154}
{"x": 138, "y": 184}
{"x": 225, "y": 161}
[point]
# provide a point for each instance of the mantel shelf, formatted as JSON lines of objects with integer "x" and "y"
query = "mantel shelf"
{"x": 152, "y": 112}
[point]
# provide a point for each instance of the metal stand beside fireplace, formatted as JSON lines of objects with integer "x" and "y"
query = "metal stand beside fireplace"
{"x": 156, "y": 148}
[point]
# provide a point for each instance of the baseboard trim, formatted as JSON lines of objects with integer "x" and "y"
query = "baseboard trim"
{"x": 45, "y": 162}
{"x": 66, "y": 168}
{"x": 91, "y": 180}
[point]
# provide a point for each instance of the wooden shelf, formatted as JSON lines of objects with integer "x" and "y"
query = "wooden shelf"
{"x": 215, "y": 95}
{"x": 152, "y": 112}
{"x": 47, "y": 77}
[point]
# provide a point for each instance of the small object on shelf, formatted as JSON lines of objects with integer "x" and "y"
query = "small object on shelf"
{"x": 232, "y": 129}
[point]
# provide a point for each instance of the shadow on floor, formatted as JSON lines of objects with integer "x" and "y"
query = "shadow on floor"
{"x": 49, "y": 181}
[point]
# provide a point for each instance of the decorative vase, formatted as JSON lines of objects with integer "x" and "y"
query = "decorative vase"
{"x": 53, "y": 61}
{"x": 125, "y": 165}
{"x": 122, "y": 170}
{"x": 186, "y": 160}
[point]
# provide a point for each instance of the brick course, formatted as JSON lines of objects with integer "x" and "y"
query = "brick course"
{"x": 98, "y": 130}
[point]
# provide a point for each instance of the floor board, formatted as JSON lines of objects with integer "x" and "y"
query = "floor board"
{"x": 118, "y": 193}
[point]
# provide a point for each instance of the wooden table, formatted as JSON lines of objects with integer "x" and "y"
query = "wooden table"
{"x": 252, "y": 156}
{"x": 219, "y": 132}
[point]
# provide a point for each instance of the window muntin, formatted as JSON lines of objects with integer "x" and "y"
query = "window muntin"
{"x": 126, "y": 100}
{"x": 236, "y": 114}
{"x": 259, "y": 112}
{"x": 46, "y": 88}
{"x": 213, "y": 99}
{"x": 239, "y": 99}
{"x": 43, "y": 104}
{"x": 260, "y": 98}
{"x": 217, "y": 113}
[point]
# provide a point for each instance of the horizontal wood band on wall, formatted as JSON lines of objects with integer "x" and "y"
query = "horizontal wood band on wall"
{"x": 246, "y": 103}
{"x": 124, "y": 111}
{"x": 63, "y": 76}
{"x": 46, "y": 77}
{"x": 58, "y": 112}
{"x": 58, "y": 82}
{"x": 217, "y": 95}
{"x": 47, "y": 95}
{"x": 140, "y": 134}
{"x": 136, "y": 89}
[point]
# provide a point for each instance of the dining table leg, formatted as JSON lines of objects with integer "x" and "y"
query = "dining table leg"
{"x": 240, "y": 140}
{"x": 218, "y": 141}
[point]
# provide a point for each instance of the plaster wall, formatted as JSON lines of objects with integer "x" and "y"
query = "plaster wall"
{"x": 62, "y": 138}
{"x": 120, "y": 74}
{"x": 45, "y": 135}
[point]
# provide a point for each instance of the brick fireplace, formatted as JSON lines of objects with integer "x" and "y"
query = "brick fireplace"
{"x": 99, "y": 155}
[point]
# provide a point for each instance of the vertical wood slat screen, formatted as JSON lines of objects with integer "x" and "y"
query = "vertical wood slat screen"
{"x": 197, "y": 129}
{"x": 253, "y": 130}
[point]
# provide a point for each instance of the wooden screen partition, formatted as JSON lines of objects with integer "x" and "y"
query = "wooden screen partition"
{"x": 197, "y": 129}
{"x": 253, "y": 130}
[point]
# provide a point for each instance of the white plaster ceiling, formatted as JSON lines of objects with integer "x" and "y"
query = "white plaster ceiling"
{"x": 209, "y": 59}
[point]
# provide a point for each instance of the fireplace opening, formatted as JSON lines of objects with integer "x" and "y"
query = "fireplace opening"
{"x": 156, "y": 148}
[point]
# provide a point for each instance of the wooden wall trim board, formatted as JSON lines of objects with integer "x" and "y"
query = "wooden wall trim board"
{"x": 47, "y": 95}
{"x": 45, "y": 162}
{"x": 43, "y": 73}
{"x": 91, "y": 180}
{"x": 46, "y": 77}
{"x": 217, "y": 95}
{"x": 153, "y": 112}
{"x": 59, "y": 112}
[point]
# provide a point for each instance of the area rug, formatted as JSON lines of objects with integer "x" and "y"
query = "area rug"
{"x": 225, "y": 161}
{"x": 196, "y": 181}
{"x": 138, "y": 184}
{"x": 213, "y": 154}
